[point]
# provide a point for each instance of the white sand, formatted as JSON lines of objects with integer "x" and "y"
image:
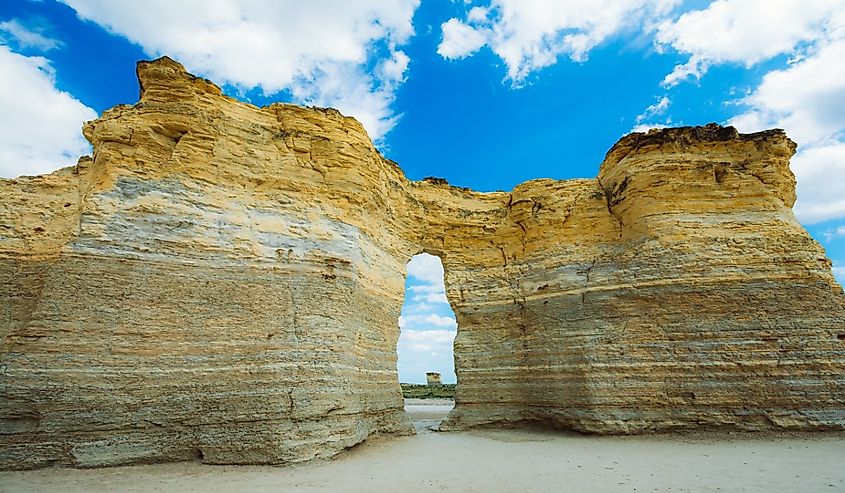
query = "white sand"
{"x": 426, "y": 414}
{"x": 497, "y": 461}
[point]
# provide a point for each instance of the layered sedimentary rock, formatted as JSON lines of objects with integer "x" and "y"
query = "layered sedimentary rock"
{"x": 676, "y": 291}
{"x": 223, "y": 281}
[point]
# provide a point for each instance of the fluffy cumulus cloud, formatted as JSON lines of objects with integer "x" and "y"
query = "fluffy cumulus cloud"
{"x": 41, "y": 125}
{"x": 327, "y": 52}
{"x": 807, "y": 99}
{"x": 743, "y": 31}
{"x": 532, "y": 34}
{"x": 820, "y": 172}
{"x": 426, "y": 268}
{"x": 460, "y": 40}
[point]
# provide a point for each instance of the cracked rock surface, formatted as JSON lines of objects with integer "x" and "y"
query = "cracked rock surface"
{"x": 222, "y": 282}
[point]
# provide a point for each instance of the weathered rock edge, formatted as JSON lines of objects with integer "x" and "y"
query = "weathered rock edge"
{"x": 222, "y": 282}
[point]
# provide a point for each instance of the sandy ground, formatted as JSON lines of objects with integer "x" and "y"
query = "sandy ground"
{"x": 497, "y": 461}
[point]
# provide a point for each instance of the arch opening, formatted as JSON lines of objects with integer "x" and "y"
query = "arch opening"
{"x": 425, "y": 351}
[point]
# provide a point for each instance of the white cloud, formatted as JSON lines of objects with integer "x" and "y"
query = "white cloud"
{"x": 460, "y": 40}
{"x": 41, "y": 125}
{"x": 426, "y": 321}
{"x": 348, "y": 88}
{"x": 656, "y": 109}
{"x": 430, "y": 336}
{"x": 428, "y": 294}
{"x": 839, "y": 272}
{"x": 438, "y": 297}
{"x": 694, "y": 68}
{"x": 749, "y": 32}
{"x": 834, "y": 233}
{"x": 744, "y": 31}
{"x": 531, "y": 34}
{"x": 323, "y": 52}
{"x": 12, "y": 31}
{"x": 418, "y": 307}
{"x": 423, "y": 351}
{"x": 820, "y": 172}
{"x": 478, "y": 14}
{"x": 425, "y": 288}
{"x": 807, "y": 99}
{"x": 426, "y": 268}
{"x": 393, "y": 69}
{"x": 646, "y": 127}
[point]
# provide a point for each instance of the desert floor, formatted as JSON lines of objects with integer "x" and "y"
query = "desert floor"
{"x": 498, "y": 461}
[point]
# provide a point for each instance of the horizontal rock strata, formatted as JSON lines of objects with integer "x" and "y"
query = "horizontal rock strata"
{"x": 222, "y": 282}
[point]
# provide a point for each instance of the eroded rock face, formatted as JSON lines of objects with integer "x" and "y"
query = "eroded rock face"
{"x": 223, "y": 281}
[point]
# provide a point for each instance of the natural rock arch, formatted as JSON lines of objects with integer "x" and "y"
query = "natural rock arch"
{"x": 226, "y": 278}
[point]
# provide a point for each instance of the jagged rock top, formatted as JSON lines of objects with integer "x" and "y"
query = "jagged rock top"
{"x": 686, "y": 136}
{"x": 168, "y": 75}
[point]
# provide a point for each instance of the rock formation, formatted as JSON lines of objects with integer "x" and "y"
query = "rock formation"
{"x": 223, "y": 281}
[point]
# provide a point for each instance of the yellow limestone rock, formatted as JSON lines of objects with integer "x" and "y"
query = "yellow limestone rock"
{"x": 223, "y": 281}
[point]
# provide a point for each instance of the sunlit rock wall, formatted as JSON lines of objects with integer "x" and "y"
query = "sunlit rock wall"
{"x": 677, "y": 291}
{"x": 223, "y": 281}
{"x": 214, "y": 284}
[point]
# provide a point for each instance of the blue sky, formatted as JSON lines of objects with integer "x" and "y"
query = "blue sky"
{"x": 485, "y": 94}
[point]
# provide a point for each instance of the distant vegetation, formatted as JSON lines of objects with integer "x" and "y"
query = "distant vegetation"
{"x": 422, "y": 391}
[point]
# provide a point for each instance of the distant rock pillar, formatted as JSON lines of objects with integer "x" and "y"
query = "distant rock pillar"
{"x": 433, "y": 378}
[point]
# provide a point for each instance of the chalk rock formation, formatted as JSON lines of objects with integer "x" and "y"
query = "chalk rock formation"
{"x": 223, "y": 281}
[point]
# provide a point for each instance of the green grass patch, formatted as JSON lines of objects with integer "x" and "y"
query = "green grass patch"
{"x": 422, "y": 391}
